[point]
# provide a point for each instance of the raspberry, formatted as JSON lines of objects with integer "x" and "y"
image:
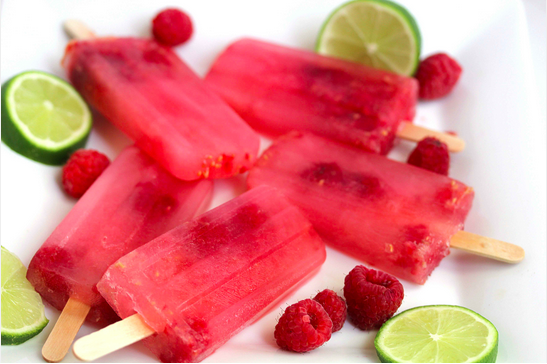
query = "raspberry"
{"x": 172, "y": 27}
{"x": 437, "y": 76}
{"x": 335, "y": 307}
{"x": 372, "y": 297}
{"x": 431, "y": 154}
{"x": 304, "y": 326}
{"x": 81, "y": 170}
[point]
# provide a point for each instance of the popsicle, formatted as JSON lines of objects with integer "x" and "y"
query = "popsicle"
{"x": 158, "y": 101}
{"x": 277, "y": 89}
{"x": 399, "y": 218}
{"x": 197, "y": 285}
{"x": 132, "y": 202}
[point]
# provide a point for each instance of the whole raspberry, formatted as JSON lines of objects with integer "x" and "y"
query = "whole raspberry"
{"x": 304, "y": 326}
{"x": 81, "y": 170}
{"x": 372, "y": 297}
{"x": 437, "y": 76}
{"x": 172, "y": 27}
{"x": 335, "y": 307}
{"x": 431, "y": 154}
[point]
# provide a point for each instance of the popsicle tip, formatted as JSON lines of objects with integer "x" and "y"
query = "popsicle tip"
{"x": 65, "y": 330}
{"x": 76, "y": 29}
{"x": 80, "y": 353}
{"x": 487, "y": 247}
{"x": 111, "y": 338}
{"x": 519, "y": 255}
{"x": 455, "y": 144}
{"x": 51, "y": 356}
{"x": 416, "y": 133}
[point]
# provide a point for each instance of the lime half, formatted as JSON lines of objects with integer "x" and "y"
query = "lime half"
{"x": 43, "y": 117}
{"x": 377, "y": 33}
{"x": 23, "y": 315}
{"x": 437, "y": 334}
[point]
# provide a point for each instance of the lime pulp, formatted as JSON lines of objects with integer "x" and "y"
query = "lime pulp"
{"x": 23, "y": 314}
{"x": 43, "y": 117}
{"x": 437, "y": 334}
{"x": 376, "y": 33}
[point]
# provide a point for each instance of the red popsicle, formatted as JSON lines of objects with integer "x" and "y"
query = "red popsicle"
{"x": 394, "y": 216}
{"x": 132, "y": 202}
{"x": 199, "y": 284}
{"x": 152, "y": 96}
{"x": 277, "y": 89}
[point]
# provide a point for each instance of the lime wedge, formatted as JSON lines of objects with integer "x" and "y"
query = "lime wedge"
{"x": 23, "y": 315}
{"x": 437, "y": 334}
{"x": 43, "y": 117}
{"x": 377, "y": 33}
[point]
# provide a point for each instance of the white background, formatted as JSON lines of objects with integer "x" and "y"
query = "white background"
{"x": 498, "y": 107}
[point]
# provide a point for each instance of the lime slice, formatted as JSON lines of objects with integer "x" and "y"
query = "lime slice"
{"x": 23, "y": 315}
{"x": 377, "y": 33}
{"x": 437, "y": 334}
{"x": 43, "y": 117}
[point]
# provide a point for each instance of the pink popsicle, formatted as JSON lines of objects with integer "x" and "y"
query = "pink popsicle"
{"x": 152, "y": 96}
{"x": 204, "y": 281}
{"x": 277, "y": 89}
{"x": 392, "y": 215}
{"x": 132, "y": 202}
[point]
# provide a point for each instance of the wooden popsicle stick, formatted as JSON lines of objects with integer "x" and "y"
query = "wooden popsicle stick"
{"x": 77, "y": 30}
{"x": 415, "y": 133}
{"x": 487, "y": 247}
{"x": 111, "y": 338}
{"x": 65, "y": 330}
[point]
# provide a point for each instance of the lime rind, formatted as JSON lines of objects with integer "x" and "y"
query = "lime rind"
{"x": 406, "y": 20}
{"x": 23, "y": 313}
{"x": 17, "y": 135}
{"x": 17, "y": 337}
{"x": 487, "y": 355}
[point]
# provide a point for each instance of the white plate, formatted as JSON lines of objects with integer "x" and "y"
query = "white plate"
{"x": 493, "y": 108}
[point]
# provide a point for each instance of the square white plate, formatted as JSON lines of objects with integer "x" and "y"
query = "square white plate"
{"x": 493, "y": 108}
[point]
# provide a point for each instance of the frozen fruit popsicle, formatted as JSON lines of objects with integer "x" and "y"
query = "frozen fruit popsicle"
{"x": 394, "y": 216}
{"x": 152, "y": 96}
{"x": 277, "y": 89}
{"x": 202, "y": 282}
{"x": 132, "y": 202}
